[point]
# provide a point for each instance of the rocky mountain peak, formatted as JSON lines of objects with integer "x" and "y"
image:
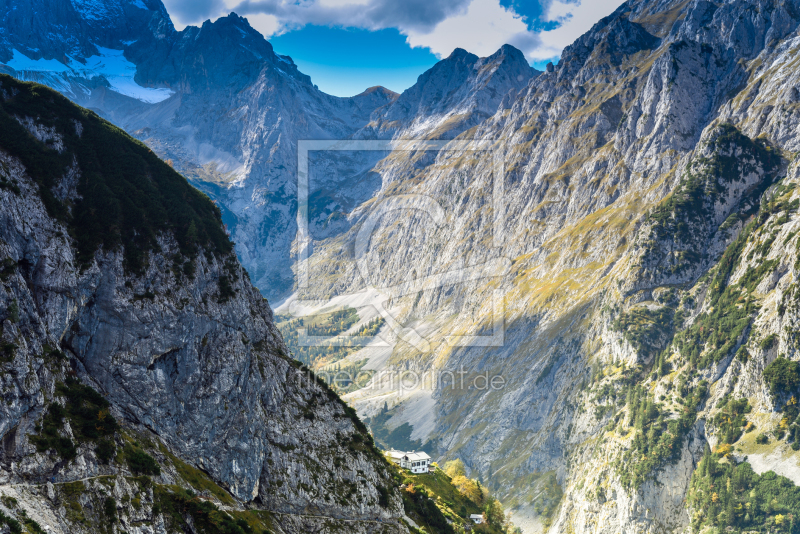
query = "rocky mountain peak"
{"x": 461, "y": 84}
{"x": 459, "y": 53}
{"x": 227, "y": 52}
{"x": 377, "y": 89}
{"x": 608, "y": 42}
{"x": 54, "y": 29}
{"x": 509, "y": 64}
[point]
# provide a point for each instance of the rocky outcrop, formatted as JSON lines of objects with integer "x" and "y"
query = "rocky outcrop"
{"x": 184, "y": 350}
{"x": 632, "y": 172}
{"x": 216, "y": 101}
{"x": 646, "y": 243}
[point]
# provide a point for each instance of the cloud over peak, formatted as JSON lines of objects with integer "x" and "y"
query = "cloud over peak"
{"x": 480, "y": 26}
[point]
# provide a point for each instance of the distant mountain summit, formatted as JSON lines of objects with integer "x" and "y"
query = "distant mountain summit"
{"x": 53, "y": 29}
{"x": 77, "y": 46}
{"x": 215, "y": 100}
{"x": 461, "y": 88}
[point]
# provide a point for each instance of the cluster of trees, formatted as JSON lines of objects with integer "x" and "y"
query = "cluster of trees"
{"x": 645, "y": 329}
{"x": 652, "y": 421}
{"x": 184, "y": 511}
{"x": 418, "y": 500}
{"x": 127, "y": 196}
{"x": 731, "y": 420}
{"x": 328, "y": 325}
{"x": 658, "y": 437}
{"x": 730, "y": 495}
{"x": 89, "y": 417}
{"x": 479, "y": 494}
{"x": 783, "y": 379}
{"x": 348, "y": 377}
{"x": 470, "y": 488}
{"x": 334, "y": 323}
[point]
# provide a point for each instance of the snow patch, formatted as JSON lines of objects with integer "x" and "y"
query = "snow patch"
{"x": 20, "y": 61}
{"x": 110, "y": 64}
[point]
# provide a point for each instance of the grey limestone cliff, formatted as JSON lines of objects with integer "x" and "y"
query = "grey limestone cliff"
{"x": 185, "y": 352}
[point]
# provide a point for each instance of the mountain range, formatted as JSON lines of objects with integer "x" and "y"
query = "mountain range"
{"x": 644, "y": 215}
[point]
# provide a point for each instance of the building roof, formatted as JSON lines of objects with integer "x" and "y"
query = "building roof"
{"x": 408, "y": 456}
{"x": 395, "y": 454}
{"x": 476, "y": 516}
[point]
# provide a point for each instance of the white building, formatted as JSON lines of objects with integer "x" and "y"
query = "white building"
{"x": 417, "y": 462}
{"x": 478, "y": 518}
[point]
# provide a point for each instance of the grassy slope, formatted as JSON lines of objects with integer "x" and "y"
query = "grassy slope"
{"x": 452, "y": 504}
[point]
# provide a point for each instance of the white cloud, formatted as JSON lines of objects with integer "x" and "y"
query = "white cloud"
{"x": 479, "y": 26}
{"x": 575, "y": 19}
{"x": 486, "y": 26}
{"x": 482, "y": 29}
{"x": 268, "y": 25}
{"x": 340, "y": 3}
{"x": 558, "y": 11}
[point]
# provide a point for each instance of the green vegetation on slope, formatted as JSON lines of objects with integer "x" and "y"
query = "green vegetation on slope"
{"x": 684, "y": 215}
{"x": 646, "y": 329}
{"x": 331, "y": 324}
{"x": 127, "y": 195}
{"x": 185, "y": 512}
{"x": 730, "y": 420}
{"x": 715, "y": 334}
{"x": 139, "y": 462}
{"x": 731, "y": 496}
{"x": 442, "y": 502}
{"x": 89, "y": 418}
{"x": 18, "y": 526}
{"x": 658, "y": 437}
{"x": 348, "y": 377}
{"x": 782, "y": 377}
{"x": 13, "y": 525}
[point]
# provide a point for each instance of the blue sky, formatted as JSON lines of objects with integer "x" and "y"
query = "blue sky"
{"x": 349, "y": 45}
{"x": 353, "y": 59}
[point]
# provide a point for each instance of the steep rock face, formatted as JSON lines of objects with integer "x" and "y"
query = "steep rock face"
{"x": 605, "y": 299}
{"x": 185, "y": 351}
{"x": 216, "y": 101}
{"x": 81, "y": 26}
{"x": 630, "y": 172}
{"x": 454, "y": 95}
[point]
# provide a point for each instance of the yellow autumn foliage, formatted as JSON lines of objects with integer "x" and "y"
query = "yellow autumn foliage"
{"x": 723, "y": 449}
{"x": 468, "y": 488}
